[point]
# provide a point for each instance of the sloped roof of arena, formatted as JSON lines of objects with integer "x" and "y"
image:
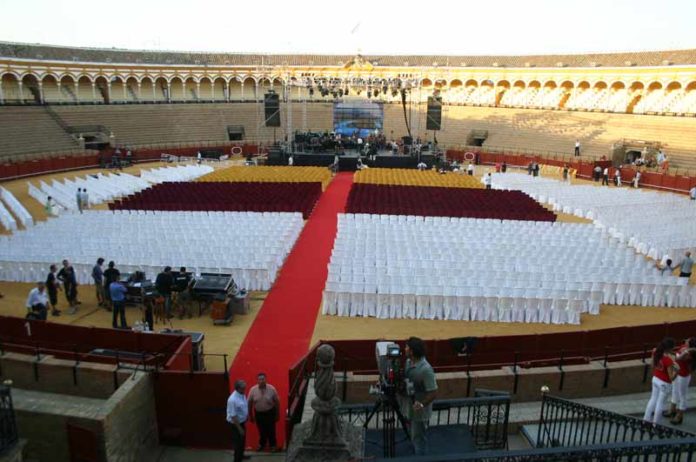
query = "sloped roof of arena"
{"x": 145, "y": 57}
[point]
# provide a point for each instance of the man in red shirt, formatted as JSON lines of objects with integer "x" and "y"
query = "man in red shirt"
{"x": 264, "y": 407}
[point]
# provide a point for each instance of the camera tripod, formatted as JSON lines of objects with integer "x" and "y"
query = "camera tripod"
{"x": 388, "y": 404}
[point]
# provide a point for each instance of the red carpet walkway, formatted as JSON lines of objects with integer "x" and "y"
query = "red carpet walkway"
{"x": 282, "y": 330}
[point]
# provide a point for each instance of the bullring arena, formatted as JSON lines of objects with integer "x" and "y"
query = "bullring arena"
{"x": 553, "y": 278}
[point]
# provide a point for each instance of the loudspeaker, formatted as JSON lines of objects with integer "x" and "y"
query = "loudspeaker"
{"x": 434, "y": 119}
{"x": 271, "y": 109}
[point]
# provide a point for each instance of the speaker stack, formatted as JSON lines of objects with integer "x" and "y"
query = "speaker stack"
{"x": 271, "y": 109}
{"x": 434, "y": 118}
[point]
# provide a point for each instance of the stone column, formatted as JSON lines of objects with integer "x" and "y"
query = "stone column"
{"x": 41, "y": 94}
{"x": 94, "y": 92}
{"x": 60, "y": 92}
{"x": 169, "y": 91}
{"x": 2, "y": 95}
{"x": 323, "y": 439}
{"x": 21, "y": 91}
{"x": 242, "y": 93}
{"x": 198, "y": 90}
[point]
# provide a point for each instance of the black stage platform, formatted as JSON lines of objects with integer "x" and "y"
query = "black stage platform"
{"x": 442, "y": 440}
{"x": 348, "y": 160}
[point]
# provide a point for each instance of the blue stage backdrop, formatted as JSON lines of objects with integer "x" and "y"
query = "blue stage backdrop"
{"x": 360, "y": 117}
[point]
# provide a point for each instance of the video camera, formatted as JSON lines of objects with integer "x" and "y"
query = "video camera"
{"x": 392, "y": 377}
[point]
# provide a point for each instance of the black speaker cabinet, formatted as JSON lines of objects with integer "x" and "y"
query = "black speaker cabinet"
{"x": 434, "y": 118}
{"x": 271, "y": 109}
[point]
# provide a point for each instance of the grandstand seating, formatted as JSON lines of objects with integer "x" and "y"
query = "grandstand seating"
{"x": 271, "y": 175}
{"x": 204, "y": 242}
{"x": 225, "y": 196}
{"x": 410, "y": 177}
{"x": 655, "y": 224}
{"x": 444, "y": 202}
{"x": 487, "y": 270}
{"x": 31, "y": 129}
{"x": 529, "y": 129}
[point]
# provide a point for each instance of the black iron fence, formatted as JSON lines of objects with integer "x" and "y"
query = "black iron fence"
{"x": 8, "y": 424}
{"x": 668, "y": 450}
{"x": 565, "y": 423}
{"x": 486, "y": 416}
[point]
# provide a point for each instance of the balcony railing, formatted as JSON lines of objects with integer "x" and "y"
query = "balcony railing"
{"x": 8, "y": 424}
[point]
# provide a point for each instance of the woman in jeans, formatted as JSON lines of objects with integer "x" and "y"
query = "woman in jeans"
{"x": 664, "y": 370}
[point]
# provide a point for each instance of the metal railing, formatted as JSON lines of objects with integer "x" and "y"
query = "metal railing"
{"x": 668, "y": 450}
{"x": 486, "y": 416}
{"x": 565, "y": 423}
{"x": 8, "y": 424}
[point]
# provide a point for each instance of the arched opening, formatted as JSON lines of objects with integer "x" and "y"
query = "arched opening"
{"x": 471, "y": 83}
{"x": 31, "y": 91}
{"x": 426, "y": 83}
{"x": 249, "y": 89}
{"x": 147, "y": 90}
{"x": 503, "y": 84}
{"x": 550, "y": 85}
{"x": 68, "y": 89}
{"x": 219, "y": 89}
{"x": 176, "y": 89}
{"x": 691, "y": 86}
{"x": 10, "y": 89}
{"x": 160, "y": 89}
{"x": 600, "y": 86}
{"x": 456, "y": 83}
{"x": 637, "y": 86}
{"x": 190, "y": 90}
{"x": 674, "y": 86}
{"x": 51, "y": 94}
{"x": 84, "y": 90}
{"x": 132, "y": 93}
{"x": 205, "y": 89}
{"x": 535, "y": 84}
{"x": 234, "y": 87}
{"x": 519, "y": 84}
{"x": 102, "y": 87}
{"x": 618, "y": 86}
{"x": 655, "y": 86}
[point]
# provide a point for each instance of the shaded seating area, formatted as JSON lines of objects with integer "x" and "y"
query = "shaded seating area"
{"x": 445, "y": 202}
{"x": 411, "y": 177}
{"x": 271, "y": 175}
{"x": 225, "y": 196}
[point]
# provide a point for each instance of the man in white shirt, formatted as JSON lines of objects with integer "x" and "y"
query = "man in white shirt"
{"x": 237, "y": 414}
{"x": 692, "y": 193}
{"x": 198, "y": 157}
{"x": 470, "y": 169}
{"x": 488, "y": 181}
{"x": 660, "y": 157}
{"x": 37, "y": 302}
{"x": 421, "y": 166}
{"x": 78, "y": 199}
{"x": 577, "y": 148}
{"x": 605, "y": 176}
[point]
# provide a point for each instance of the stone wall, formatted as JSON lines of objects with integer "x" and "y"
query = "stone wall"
{"x": 52, "y": 375}
{"x": 120, "y": 428}
{"x": 130, "y": 423}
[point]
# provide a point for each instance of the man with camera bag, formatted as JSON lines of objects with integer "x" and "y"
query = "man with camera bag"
{"x": 422, "y": 376}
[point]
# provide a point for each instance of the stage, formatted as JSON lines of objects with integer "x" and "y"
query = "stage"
{"x": 348, "y": 159}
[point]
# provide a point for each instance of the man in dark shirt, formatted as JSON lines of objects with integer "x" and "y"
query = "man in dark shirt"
{"x": 163, "y": 284}
{"x": 67, "y": 276}
{"x": 52, "y": 287}
{"x": 110, "y": 275}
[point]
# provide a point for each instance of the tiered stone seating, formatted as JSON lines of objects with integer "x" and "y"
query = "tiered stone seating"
{"x": 409, "y": 177}
{"x": 271, "y": 175}
{"x": 31, "y": 129}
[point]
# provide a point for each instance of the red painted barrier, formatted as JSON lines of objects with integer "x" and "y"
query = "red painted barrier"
{"x": 648, "y": 179}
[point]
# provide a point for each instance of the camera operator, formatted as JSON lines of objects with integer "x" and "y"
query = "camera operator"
{"x": 422, "y": 376}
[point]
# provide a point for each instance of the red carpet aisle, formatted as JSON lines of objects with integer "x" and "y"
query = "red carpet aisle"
{"x": 283, "y": 328}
